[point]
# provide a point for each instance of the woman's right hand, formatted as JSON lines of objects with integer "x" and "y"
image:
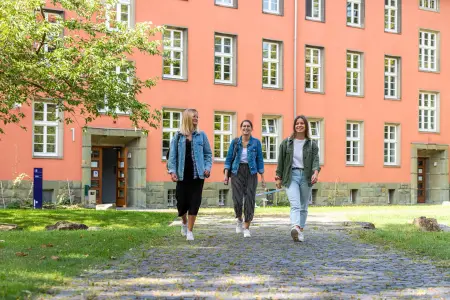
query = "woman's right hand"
{"x": 278, "y": 184}
{"x": 174, "y": 177}
{"x": 225, "y": 179}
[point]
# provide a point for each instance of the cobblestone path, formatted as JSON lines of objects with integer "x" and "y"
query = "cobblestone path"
{"x": 220, "y": 264}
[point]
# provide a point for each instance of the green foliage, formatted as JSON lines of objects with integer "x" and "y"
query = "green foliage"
{"x": 77, "y": 69}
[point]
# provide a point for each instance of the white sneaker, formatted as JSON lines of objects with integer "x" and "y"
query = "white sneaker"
{"x": 247, "y": 233}
{"x": 301, "y": 236}
{"x": 189, "y": 236}
{"x": 295, "y": 234}
{"x": 239, "y": 227}
{"x": 183, "y": 229}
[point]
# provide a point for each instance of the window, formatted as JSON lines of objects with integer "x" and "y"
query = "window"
{"x": 391, "y": 145}
{"x": 171, "y": 198}
{"x": 313, "y": 69}
{"x": 428, "y": 51}
{"x": 224, "y": 59}
{"x": 174, "y": 54}
{"x": 353, "y": 196}
{"x": 271, "y": 64}
{"x": 121, "y": 13}
{"x": 354, "y": 143}
{"x": 429, "y": 5}
{"x": 315, "y": 10}
{"x": 124, "y": 78}
{"x": 391, "y": 77}
{"x": 222, "y": 134}
{"x": 428, "y": 103}
{"x": 270, "y": 137}
{"x": 354, "y": 74}
{"x": 45, "y": 129}
{"x": 229, "y": 3}
{"x": 171, "y": 121}
{"x": 54, "y": 18}
{"x": 316, "y": 134}
{"x": 273, "y": 6}
{"x": 223, "y": 195}
{"x": 391, "y": 15}
{"x": 355, "y": 12}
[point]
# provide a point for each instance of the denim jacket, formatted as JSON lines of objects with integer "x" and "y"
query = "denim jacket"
{"x": 254, "y": 156}
{"x": 202, "y": 154}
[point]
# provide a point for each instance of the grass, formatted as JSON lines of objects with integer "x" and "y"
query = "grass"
{"x": 53, "y": 258}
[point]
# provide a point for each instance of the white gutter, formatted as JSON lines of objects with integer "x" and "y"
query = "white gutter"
{"x": 295, "y": 56}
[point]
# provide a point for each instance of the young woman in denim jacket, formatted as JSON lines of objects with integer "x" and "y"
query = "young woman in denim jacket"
{"x": 245, "y": 166}
{"x": 190, "y": 161}
{"x": 298, "y": 170}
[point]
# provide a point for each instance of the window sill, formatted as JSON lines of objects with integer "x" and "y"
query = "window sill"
{"x": 429, "y": 71}
{"x": 354, "y": 165}
{"x": 355, "y": 26}
{"x": 429, "y": 9}
{"x": 219, "y": 160}
{"x": 314, "y": 92}
{"x": 270, "y": 162}
{"x": 225, "y": 83}
{"x": 46, "y": 157}
{"x": 272, "y": 88}
{"x": 279, "y": 14}
{"x": 354, "y": 96}
{"x": 429, "y": 132}
{"x": 314, "y": 20}
{"x": 392, "y": 99}
{"x": 392, "y": 31}
{"x": 392, "y": 166}
{"x": 174, "y": 78}
{"x": 226, "y": 6}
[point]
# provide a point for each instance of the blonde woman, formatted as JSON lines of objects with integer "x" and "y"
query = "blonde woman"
{"x": 190, "y": 161}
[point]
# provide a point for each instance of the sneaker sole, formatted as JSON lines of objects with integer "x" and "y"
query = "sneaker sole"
{"x": 294, "y": 235}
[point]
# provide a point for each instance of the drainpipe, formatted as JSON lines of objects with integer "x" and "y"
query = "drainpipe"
{"x": 295, "y": 56}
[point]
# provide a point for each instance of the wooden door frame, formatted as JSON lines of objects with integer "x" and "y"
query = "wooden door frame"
{"x": 122, "y": 156}
{"x": 424, "y": 180}
{"x": 98, "y": 169}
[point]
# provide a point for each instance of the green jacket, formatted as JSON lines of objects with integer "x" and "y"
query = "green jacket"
{"x": 286, "y": 156}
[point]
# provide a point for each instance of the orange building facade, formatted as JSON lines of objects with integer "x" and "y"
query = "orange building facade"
{"x": 369, "y": 75}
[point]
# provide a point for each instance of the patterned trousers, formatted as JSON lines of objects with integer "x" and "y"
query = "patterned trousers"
{"x": 244, "y": 190}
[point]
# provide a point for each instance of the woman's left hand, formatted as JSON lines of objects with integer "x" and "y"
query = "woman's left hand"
{"x": 263, "y": 184}
{"x": 315, "y": 177}
{"x": 206, "y": 173}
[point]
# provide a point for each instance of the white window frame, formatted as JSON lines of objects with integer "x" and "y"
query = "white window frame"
{"x": 318, "y": 136}
{"x": 118, "y": 12}
{"x": 428, "y": 53}
{"x": 427, "y": 5}
{"x": 428, "y": 113}
{"x": 45, "y": 123}
{"x": 272, "y": 63}
{"x": 267, "y": 137}
{"x": 172, "y": 50}
{"x": 352, "y": 71}
{"x": 353, "y": 4}
{"x": 222, "y": 133}
{"x": 171, "y": 198}
{"x": 227, "y": 3}
{"x": 223, "y": 196}
{"x": 267, "y": 6}
{"x": 223, "y": 55}
{"x": 315, "y": 62}
{"x": 105, "y": 109}
{"x": 316, "y": 10}
{"x": 391, "y": 77}
{"x": 354, "y": 142}
{"x": 172, "y": 130}
{"x": 391, "y": 16}
{"x": 391, "y": 143}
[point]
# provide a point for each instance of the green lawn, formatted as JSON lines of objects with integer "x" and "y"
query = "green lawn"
{"x": 72, "y": 251}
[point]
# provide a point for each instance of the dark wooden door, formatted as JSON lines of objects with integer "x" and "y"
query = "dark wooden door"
{"x": 96, "y": 172}
{"x": 421, "y": 179}
{"x": 122, "y": 177}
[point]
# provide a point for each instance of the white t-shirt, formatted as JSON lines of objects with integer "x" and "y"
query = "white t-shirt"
{"x": 244, "y": 158}
{"x": 298, "y": 153}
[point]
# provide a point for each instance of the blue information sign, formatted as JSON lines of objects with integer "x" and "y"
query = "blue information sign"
{"x": 37, "y": 188}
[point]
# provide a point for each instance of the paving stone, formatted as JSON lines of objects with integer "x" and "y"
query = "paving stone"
{"x": 222, "y": 264}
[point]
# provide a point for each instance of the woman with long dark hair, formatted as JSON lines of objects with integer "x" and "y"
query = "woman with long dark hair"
{"x": 298, "y": 170}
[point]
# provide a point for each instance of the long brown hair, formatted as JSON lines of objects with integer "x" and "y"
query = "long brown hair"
{"x": 306, "y": 126}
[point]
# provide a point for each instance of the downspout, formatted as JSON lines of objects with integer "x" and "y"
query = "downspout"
{"x": 295, "y": 56}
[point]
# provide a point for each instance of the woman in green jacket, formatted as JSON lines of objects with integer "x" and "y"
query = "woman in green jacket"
{"x": 298, "y": 170}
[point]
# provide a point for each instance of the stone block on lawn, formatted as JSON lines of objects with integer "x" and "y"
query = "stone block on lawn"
{"x": 105, "y": 206}
{"x": 8, "y": 227}
{"x": 427, "y": 224}
{"x": 363, "y": 225}
{"x": 65, "y": 225}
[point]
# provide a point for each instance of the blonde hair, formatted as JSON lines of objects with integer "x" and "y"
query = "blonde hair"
{"x": 187, "y": 126}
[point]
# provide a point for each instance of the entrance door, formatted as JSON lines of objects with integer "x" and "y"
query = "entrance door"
{"x": 122, "y": 177}
{"x": 96, "y": 172}
{"x": 421, "y": 179}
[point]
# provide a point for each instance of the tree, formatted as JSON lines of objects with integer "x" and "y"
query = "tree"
{"x": 73, "y": 60}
